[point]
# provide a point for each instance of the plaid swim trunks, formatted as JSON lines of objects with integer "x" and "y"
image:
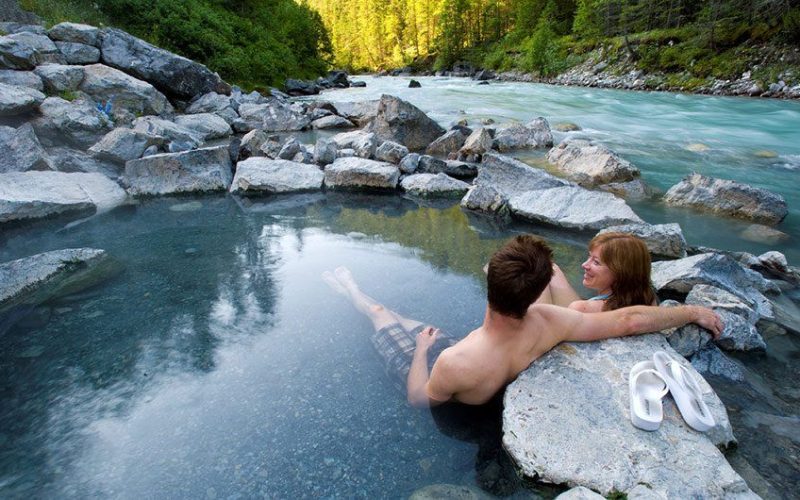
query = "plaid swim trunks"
{"x": 396, "y": 347}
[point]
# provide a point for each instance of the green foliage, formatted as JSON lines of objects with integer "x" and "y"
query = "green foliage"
{"x": 791, "y": 25}
{"x": 254, "y": 43}
{"x": 68, "y": 95}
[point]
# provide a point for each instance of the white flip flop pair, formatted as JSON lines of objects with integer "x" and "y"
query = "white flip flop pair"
{"x": 649, "y": 382}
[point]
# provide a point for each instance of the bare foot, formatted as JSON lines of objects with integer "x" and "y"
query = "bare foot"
{"x": 344, "y": 276}
{"x": 334, "y": 283}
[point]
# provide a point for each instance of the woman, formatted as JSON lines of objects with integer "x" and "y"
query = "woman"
{"x": 618, "y": 269}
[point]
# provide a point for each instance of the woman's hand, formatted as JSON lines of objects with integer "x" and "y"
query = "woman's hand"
{"x": 427, "y": 337}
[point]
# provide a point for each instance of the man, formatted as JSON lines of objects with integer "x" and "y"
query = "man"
{"x": 519, "y": 326}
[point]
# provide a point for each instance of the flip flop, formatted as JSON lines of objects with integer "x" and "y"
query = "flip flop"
{"x": 685, "y": 391}
{"x": 647, "y": 387}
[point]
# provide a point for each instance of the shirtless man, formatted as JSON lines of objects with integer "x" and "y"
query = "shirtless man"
{"x": 519, "y": 326}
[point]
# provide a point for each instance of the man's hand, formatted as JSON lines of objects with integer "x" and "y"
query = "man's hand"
{"x": 709, "y": 320}
{"x": 426, "y": 338}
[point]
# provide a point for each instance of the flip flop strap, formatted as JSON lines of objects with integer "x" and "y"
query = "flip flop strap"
{"x": 664, "y": 391}
{"x": 684, "y": 378}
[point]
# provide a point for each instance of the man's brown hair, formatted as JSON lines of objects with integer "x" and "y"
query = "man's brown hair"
{"x": 517, "y": 275}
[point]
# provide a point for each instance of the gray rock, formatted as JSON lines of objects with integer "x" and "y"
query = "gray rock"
{"x": 580, "y": 493}
{"x": 73, "y": 160}
{"x": 360, "y": 113}
{"x": 22, "y": 150}
{"x": 450, "y": 142}
{"x": 719, "y": 270}
{"x": 572, "y": 207}
{"x": 42, "y": 277}
{"x": 591, "y": 164}
{"x": 290, "y": 148}
{"x": 274, "y": 116}
{"x": 687, "y": 340}
{"x": 430, "y": 165}
{"x": 272, "y": 146}
{"x": 404, "y": 123}
{"x": 331, "y": 121}
{"x": 45, "y": 51}
{"x": 221, "y": 105}
{"x": 123, "y": 144}
{"x": 391, "y": 152}
{"x": 170, "y": 73}
{"x": 763, "y": 234}
{"x": 361, "y": 173}
{"x": 362, "y": 142}
{"x": 509, "y": 176}
{"x": 476, "y": 145}
{"x": 324, "y": 152}
{"x": 205, "y": 125}
{"x": 179, "y": 136}
{"x": 663, "y": 240}
{"x": 535, "y": 134}
{"x": 589, "y": 439}
{"x": 485, "y": 199}
{"x": 34, "y": 194}
{"x": 207, "y": 169}
{"x": 75, "y": 33}
{"x": 15, "y": 54}
{"x": 138, "y": 97}
{"x": 305, "y": 155}
{"x": 460, "y": 169}
{"x": 630, "y": 190}
{"x": 78, "y": 53}
{"x": 260, "y": 175}
{"x": 410, "y": 163}
{"x": 77, "y": 123}
{"x": 728, "y": 198}
{"x": 448, "y": 492}
{"x": 59, "y": 77}
{"x": 16, "y": 100}
{"x": 250, "y": 144}
{"x": 345, "y": 153}
{"x": 21, "y": 79}
{"x": 712, "y": 361}
{"x": 430, "y": 185}
{"x": 566, "y": 127}
{"x": 739, "y": 319}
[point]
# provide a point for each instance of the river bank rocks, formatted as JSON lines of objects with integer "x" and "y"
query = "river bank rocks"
{"x": 590, "y": 164}
{"x": 404, "y": 123}
{"x": 662, "y": 240}
{"x": 579, "y": 390}
{"x": 198, "y": 170}
{"x": 728, "y": 198}
{"x": 259, "y": 175}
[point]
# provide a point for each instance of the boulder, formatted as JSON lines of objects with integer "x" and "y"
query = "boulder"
{"x": 180, "y": 138}
{"x": 580, "y": 433}
{"x": 410, "y": 163}
{"x": 59, "y": 78}
{"x": 460, "y": 169}
{"x": 22, "y": 150}
{"x": 15, "y": 54}
{"x": 739, "y": 319}
{"x": 414, "y": 84}
{"x": 73, "y": 160}
{"x": 221, "y": 105}
{"x": 678, "y": 277}
{"x": 404, "y": 123}
{"x": 331, "y": 121}
{"x": 580, "y": 493}
{"x": 485, "y": 199}
{"x": 205, "y": 125}
{"x": 763, "y": 234}
{"x": 728, "y": 198}
{"x": 172, "y": 74}
{"x": 274, "y": 116}
{"x": 75, "y": 33}
{"x": 361, "y": 173}
{"x": 44, "y": 50}
{"x": 295, "y": 87}
{"x": 362, "y": 142}
{"x": 78, "y": 53}
{"x": 430, "y": 165}
{"x": 259, "y": 175}
{"x": 126, "y": 92}
{"x": 663, "y": 240}
{"x": 712, "y": 361}
{"x": 509, "y": 176}
{"x": 391, "y": 152}
{"x": 21, "y": 79}
{"x": 34, "y": 194}
{"x": 15, "y": 100}
{"x": 430, "y": 185}
{"x": 324, "y": 152}
{"x": 451, "y": 141}
{"x": 42, "y": 277}
{"x": 250, "y": 144}
{"x": 207, "y": 169}
{"x": 78, "y": 123}
{"x": 630, "y": 190}
{"x": 534, "y": 134}
{"x": 123, "y": 144}
{"x": 360, "y": 113}
{"x": 572, "y": 207}
{"x": 289, "y": 149}
{"x": 591, "y": 164}
{"x": 476, "y": 145}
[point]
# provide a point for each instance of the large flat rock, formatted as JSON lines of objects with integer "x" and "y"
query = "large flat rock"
{"x": 567, "y": 421}
{"x": 572, "y": 207}
{"x": 206, "y": 169}
{"x": 34, "y": 194}
{"x": 258, "y": 175}
{"x": 360, "y": 173}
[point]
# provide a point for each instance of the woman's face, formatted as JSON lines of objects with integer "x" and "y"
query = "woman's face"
{"x": 596, "y": 275}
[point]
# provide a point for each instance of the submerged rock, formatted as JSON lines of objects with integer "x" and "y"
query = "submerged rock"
{"x": 361, "y": 173}
{"x": 207, "y": 169}
{"x": 728, "y": 198}
{"x": 404, "y": 123}
{"x": 572, "y": 207}
{"x": 260, "y": 175}
{"x": 581, "y": 433}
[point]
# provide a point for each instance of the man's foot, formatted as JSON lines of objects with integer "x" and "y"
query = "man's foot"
{"x": 344, "y": 277}
{"x": 334, "y": 283}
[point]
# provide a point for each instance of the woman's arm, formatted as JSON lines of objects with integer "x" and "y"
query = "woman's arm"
{"x": 561, "y": 291}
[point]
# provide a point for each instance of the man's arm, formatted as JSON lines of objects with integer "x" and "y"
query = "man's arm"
{"x": 583, "y": 327}
{"x": 420, "y": 394}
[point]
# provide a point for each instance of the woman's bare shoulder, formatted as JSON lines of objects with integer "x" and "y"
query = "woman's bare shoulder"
{"x": 588, "y": 306}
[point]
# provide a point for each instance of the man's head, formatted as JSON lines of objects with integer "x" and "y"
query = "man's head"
{"x": 517, "y": 275}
